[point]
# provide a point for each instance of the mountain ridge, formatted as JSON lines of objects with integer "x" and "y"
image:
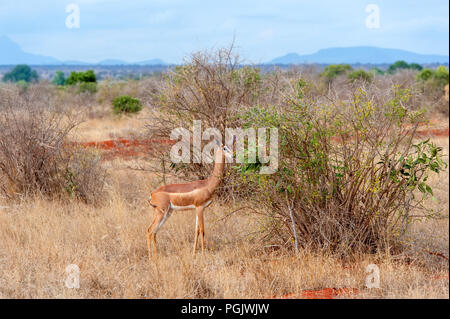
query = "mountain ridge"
{"x": 11, "y": 54}
{"x": 359, "y": 54}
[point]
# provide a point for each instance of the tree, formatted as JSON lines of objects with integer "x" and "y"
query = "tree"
{"x": 21, "y": 72}
{"x": 398, "y": 65}
{"x": 126, "y": 104}
{"x": 404, "y": 65}
{"x": 333, "y": 70}
{"x": 441, "y": 76}
{"x": 81, "y": 77}
{"x": 415, "y": 66}
{"x": 425, "y": 75}
{"x": 360, "y": 75}
{"x": 59, "y": 78}
{"x": 438, "y": 78}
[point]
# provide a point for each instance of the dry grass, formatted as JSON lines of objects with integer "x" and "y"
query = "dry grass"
{"x": 111, "y": 127}
{"x": 39, "y": 238}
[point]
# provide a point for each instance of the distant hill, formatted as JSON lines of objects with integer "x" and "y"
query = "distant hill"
{"x": 364, "y": 55}
{"x": 11, "y": 54}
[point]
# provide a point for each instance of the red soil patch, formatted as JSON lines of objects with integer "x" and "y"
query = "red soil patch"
{"x": 123, "y": 148}
{"x": 326, "y": 293}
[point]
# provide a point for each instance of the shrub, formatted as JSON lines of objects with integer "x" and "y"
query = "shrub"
{"x": 333, "y": 70}
{"x": 415, "y": 66}
{"x": 81, "y": 77}
{"x": 398, "y": 65}
{"x": 86, "y": 81}
{"x": 22, "y": 85}
{"x": 441, "y": 76}
{"x": 425, "y": 75}
{"x": 36, "y": 157}
{"x": 403, "y": 65}
{"x": 59, "y": 78}
{"x": 21, "y": 72}
{"x": 349, "y": 173}
{"x": 126, "y": 104}
{"x": 360, "y": 75}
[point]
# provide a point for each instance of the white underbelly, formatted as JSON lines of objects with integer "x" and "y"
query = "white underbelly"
{"x": 175, "y": 207}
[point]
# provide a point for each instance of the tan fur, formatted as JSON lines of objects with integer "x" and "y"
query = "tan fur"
{"x": 195, "y": 195}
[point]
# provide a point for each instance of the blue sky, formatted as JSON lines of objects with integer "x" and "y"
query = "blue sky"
{"x": 136, "y": 30}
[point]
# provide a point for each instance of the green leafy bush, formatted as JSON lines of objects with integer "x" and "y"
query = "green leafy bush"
{"x": 21, "y": 72}
{"x": 126, "y": 104}
{"x": 425, "y": 75}
{"x": 333, "y": 70}
{"x": 348, "y": 173}
{"x": 81, "y": 77}
{"x": 360, "y": 75}
{"x": 59, "y": 78}
{"x": 441, "y": 76}
{"x": 437, "y": 78}
{"x": 415, "y": 66}
{"x": 86, "y": 81}
{"x": 398, "y": 65}
{"x": 23, "y": 85}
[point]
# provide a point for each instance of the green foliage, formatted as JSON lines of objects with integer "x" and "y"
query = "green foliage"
{"x": 249, "y": 78}
{"x": 345, "y": 173}
{"x": 403, "y": 65}
{"x": 425, "y": 75}
{"x": 398, "y": 65}
{"x": 59, "y": 78}
{"x": 81, "y": 77}
{"x": 415, "y": 66}
{"x": 360, "y": 75}
{"x": 441, "y": 76}
{"x": 22, "y": 85}
{"x": 126, "y": 104}
{"x": 21, "y": 72}
{"x": 333, "y": 70}
{"x": 436, "y": 78}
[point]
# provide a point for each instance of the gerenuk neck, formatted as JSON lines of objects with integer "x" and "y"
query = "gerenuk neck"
{"x": 217, "y": 173}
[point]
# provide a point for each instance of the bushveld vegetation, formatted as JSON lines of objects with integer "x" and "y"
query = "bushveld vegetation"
{"x": 21, "y": 74}
{"x": 126, "y": 104}
{"x": 356, "y": 183}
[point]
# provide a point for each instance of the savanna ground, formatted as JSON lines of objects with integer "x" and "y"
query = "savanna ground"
{"x": 40, "y": 237}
